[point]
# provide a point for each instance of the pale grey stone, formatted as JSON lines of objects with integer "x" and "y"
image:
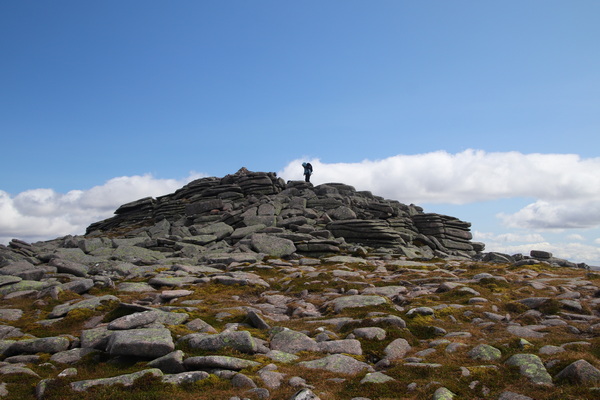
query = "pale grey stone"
{"x": 524, "y": 332}
{"x": 171, "y": 363}
{"x": 372, "y": 333}
{"x": 69, "y": 267}
{"x": 397, "y": 349}
{"x": 531, "y": 367}
{"x": 580, "y": 372}
{"x": 347, "y": 346}
{"x": 281, "y": 356}
{"x": 341, "y": 303}
{"x": 11, "y": 314}
{"x": 200, "y": 326}
{"x": 305, "y": 394}
{"x": 134, "y": 320}
{"x": 78, "y": 286}
{"x": 125, "y": 380}
{"x": 376, "y": 377}
{"x": 89, "y": 304}
{"x": 221, "y": 362}
{"x": 387, "y": 291}
{"x": 238, "y": 340}
{"x": 185, "y": 377}
{"x": 272, "y": 245}
{"x": 17, "y": 370}
{"x": 485, "y": 352}
{"x": 240, "y": 380}
{"x": 338, "y": 363}
{"x": 43, "y": 345}
{"x": 290, "y": 341}
{"x": 146, "y": 343}
{"x": 443, "y": 394}
{"x": 72, "y": 356}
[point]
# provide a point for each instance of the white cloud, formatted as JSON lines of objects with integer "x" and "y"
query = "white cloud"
{"x": 576, "y": 237}
{"x": 546, "y": 215}
{"x": 508, "y": 237}
{"x": 565, "y": 186}
{"x": 40, "y": 214}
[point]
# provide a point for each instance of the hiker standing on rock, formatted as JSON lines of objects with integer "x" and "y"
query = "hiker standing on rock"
{"x": 307, "y": 171}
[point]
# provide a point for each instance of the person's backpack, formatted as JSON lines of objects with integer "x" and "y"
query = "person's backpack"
{"x": 309, "y": 167}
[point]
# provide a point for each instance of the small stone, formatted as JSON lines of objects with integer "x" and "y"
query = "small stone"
{"x": 485, "y": 352}
{"x": 376, "y": 377}
{"x": 443, "y": 394}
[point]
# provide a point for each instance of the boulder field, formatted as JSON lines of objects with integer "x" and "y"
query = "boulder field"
{"x": 248, "y": 287}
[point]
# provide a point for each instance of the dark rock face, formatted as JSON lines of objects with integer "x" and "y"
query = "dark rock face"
{"x": 320, "y": 219}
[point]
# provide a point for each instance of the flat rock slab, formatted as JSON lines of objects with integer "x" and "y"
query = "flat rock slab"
{"x": 240, "y": 278}
{"x": 524, "y": 332}
{"x": 238, "y": 340}
{"x": 354, "y": 301}
{"x": 21, "y": 286}
{"x": 146, "y": 343}
{"x": 228, "y": 258}
{"x": 219, "y": 362}
{"x": 345, "y": 260}
{"x": 387, "y": 291}
{"x": 134, "y": 320}
{"x": 43, "y": 345}
{"x": 173, "y": 281}
{"x": 71, "y": 356}
{"x": 90, "y": 304}
{"x": 11, "y": 314}
{"x": 338, "y": 363}
{"x": 346, "y": 346}
{"x": 69, "y": 267}
{"x": 196, "y": 269}
{"x": 136, "y": 254}
{"x": 8, "y": 279}
{"x": 139, "y": 287}
{"x": 185, "y": 377}
{"x": 376, "y": 377}
{"x": 125, "y": 380}
{"x": 281, "y": 356}
{"x": 78, "y": 286}
{"x": 17, "y": 370}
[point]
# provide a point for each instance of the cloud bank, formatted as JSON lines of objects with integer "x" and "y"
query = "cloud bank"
{"x": 40, "y": 214}
{"x": 565, "y": 187}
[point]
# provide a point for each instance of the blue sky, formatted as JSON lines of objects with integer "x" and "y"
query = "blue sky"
{"x": 487, "y": 111}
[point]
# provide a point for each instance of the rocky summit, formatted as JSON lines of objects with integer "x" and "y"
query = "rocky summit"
{"x": 249, "y": 287}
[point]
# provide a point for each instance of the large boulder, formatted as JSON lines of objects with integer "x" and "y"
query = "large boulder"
{"x": 272, "y": 245}
{"x": 145, "y": 343}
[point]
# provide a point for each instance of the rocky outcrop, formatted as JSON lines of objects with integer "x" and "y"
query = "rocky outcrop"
{"x": 328, "y": 218}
